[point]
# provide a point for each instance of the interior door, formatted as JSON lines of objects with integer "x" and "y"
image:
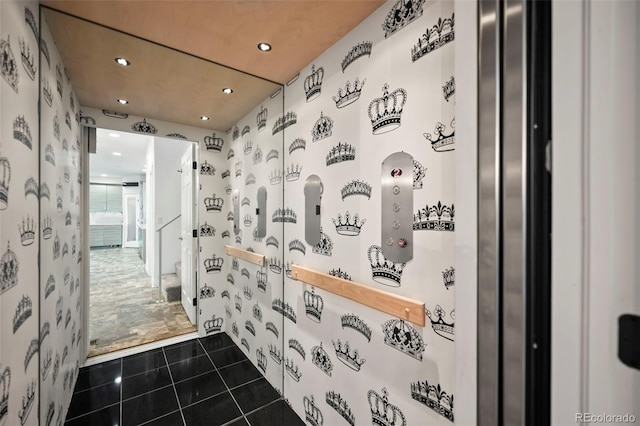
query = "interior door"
{"x": 187, "y": 277}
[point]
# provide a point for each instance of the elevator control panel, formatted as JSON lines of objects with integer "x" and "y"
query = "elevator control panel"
{"x": 235, "y": 198}
{"x": 397, "y": 207}
{"x": 261, "y": 212}
{"x": 312, "y": 198}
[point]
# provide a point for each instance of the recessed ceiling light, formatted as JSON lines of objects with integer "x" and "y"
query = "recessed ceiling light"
{"x": 117, "y": 154}
{"x": 103, "y": 175}
{"x": 123, "y": 62}
{"x": 265, "y": 47}
{"x": 123, "y": 101}
{"x": 204, "y": 118}
{"x": 227, "y": 90}
{"x": 114, "y": 135}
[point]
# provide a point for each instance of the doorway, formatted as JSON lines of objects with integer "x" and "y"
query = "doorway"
{"x": 141, "y": 267}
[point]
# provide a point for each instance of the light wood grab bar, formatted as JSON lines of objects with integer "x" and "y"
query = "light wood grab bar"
{"x": 249, "y": 256}
{"x": 399, "y": 306}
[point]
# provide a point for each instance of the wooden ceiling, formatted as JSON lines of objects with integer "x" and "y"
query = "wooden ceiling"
{"x": 166, "y": 84}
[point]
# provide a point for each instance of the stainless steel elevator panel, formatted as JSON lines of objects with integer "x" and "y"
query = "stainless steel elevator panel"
{"x": 397, "y": 207}
{"x": 261, "y": 212}
{"x": 236, "y": 211}
{"x": 312, "y": 199}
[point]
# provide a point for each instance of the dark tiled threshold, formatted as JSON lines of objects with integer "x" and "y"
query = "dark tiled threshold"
{"x": 205, "y": 381}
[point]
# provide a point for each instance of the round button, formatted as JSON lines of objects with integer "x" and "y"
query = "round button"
{"x": 396, "y": 190}
{"x": 396, "y": 172}
{"x": 396, "y": 224}
{"x": 396, "y": 207}
{"x": 402, "y": 242}
{"x": 390, "y": 241}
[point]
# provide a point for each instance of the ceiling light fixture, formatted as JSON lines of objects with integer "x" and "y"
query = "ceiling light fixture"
{"x": 117, "y": 154}
{"x": 123, "y": 101}
{"x": 114, "y": 135}
{"x": 227, "y": 90}
{"x": 123, "y": 62}
{"x": 103, "y": 175}
{"x": 204, "y": 118}
{"x": 265, "y": 47}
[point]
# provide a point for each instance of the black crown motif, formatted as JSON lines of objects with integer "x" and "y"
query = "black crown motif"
{"x": 144, "y": 127}
{"x": 213, "y": 143}
{"x": 32, "y": 350}
{"x": 238, "y": 168}
{"x": 401, "y": 14}
{"x": 275, "y": 265}
{"x": 355, "y": 323}
{"x": 248, "y": 147}
{"x": 230, "y": 279}
{"x": 21, "y": 131}
{"x": 207, "y": 230}
{"x": 44, "y": 49}
{"x": 285, "y": 309}
{"x": 46, "y": 91}
{"x": 248, "y": 220}
{"x": 346, "y": 356}
{"x": 275, "y": 353}
{"x": 433, "y": 397}
{"x": 207, "y": 169}
{"x": 261, "y": 278}
{"x": 275, "y": 177}
{"x": 439, "y": 325}
{"x": 257, "y": 156}
{"x": 248, "y": 325}
{"x": 441, "y": 142}
{"x": 245, "y": 130}
{"x": 261, "y": 118}
{"x": 213, "y": 264}
{"x": 65, "y": 145}
{"x": 356, "y": 187}
{"x": 348, "y": 227}
{"x": 257, "y": 312}
{"x": 312, "y": 413}
{"x": 28, "y": 61}
{"x": 248, "y": 293}
{"x": 261, "y": 359}
{"x": 297, "y": 245}
{"x": 293, "y": 172}
{"x": 403, "y": 337}
{"x": 350, "y": 95}
{"x": 323, "y": 128}
{"x": 245, "y": 343}
{"x": 313, "y": 304}
{"x": 238, "y": 302}
{"x": 8, "y": 65}
{"x": 213, "y": 203}
{"x": 225, "y": 174}
{"x": 297, "y": 346}
{"x": 50, "y": 286}
{"x": 449, "y": 277}
{"x": 435, "y": 218}
{"x": 297, "y": 143}
{"x": 384, "y": 271}
{"x": 5, "y": 180}
{"x": 9, "y": 268}
{"x": 227, "y": 311}
{"x": 272, "y": 155}
{"x": 67, "y": 318}
{"x": 230, "y": 154}
{"x": 418, "y": 174}
{"x": 320, "y": 358}
{"x": 325, "y": 246}
{"x": 5, "y": 382}
{"x": 336, "y": 402}
{"x": 213, "y": 325}
{"x": 286, "y": 215}
{"x": 449, "y": 88}
{"x": 177, "y": 136}
{"x": 382, "y": 412}
{"x": 30, "y": 19}
{"x": 225, "y": 234}
{"x": 234, "y": 264}
{"x": 67, "y": 119}
{"x": 27, "y": 231}
{"x": 250, "y": 179}
{"x": 56, "y": 127}
{"x": 269, "y": 326}
{"x": 292, "y": 369}
{"x": 51, "y": 412}
{"x": 288, "y": 119}
{"x": 434, "y": 38}
{"x": 341, "y": 152}
{"x": 46, "y": 365}
{"x": 234, "y": 329}
{"x": 385, "y": 113}
{"x": 272, "y": 241}
{"x": 224, "y": 294}
{"x": 207, "y": 292}
{"x": 357, "y": 51}
{"x": 56, "y": 246}
{"x": 23, "y": 312}
{"x": 245, "y": 202}
{"x": 56, "y": 369}
{"x": 313, "y": 83}
{"x": 340, "y": 274}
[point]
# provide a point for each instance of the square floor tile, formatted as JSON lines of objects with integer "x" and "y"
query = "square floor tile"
{"x": 149, "y": 406}
{"x": 216, "y": 342}
{"x": 212, "y": 412}
{"x": 227, "y": 356}
{"x": 173, "y": 419}
{"x": 99, "y": 374}
{"x": 278, "y": 413}
{"x": 190, "y": 367}
{"x": 254, "y": 395}
{"x": 145, "y": 382}
{"x": 140, "y": 363}
{"x": 240, "y": 373}
{"x": 105, "y": 416}
{"x": 93, "y": 399}
{"x": 183, "y": 350}
{"x": 198, "y": 388}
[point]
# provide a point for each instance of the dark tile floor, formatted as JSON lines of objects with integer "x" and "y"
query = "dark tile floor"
{"x": 205, "y": 381}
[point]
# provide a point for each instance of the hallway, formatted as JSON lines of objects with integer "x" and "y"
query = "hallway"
{"x": 123, "y": 308}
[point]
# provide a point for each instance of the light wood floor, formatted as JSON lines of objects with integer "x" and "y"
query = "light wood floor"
{"x": 124, "y": 311}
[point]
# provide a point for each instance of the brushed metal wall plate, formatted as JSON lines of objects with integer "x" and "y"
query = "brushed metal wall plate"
{"x": 261, "y": 212}
{"x": 312, "y": 200}
{"x": 397, "y": 207}
{"x": 236, "y": 211}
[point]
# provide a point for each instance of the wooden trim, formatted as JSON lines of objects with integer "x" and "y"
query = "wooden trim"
{"x": 256, "y": 258}
{"x": 399, "y": 306}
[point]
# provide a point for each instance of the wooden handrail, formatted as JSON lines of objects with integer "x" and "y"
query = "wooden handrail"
{"x": 249, "y": 256}
{"x": 399, "y": 306}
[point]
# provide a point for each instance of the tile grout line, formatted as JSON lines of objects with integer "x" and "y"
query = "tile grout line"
{"x": 91, "y": 412}
{"x": 175, "y": 391}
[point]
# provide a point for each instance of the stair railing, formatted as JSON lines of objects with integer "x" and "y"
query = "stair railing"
{"x": 159, "y": 231}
